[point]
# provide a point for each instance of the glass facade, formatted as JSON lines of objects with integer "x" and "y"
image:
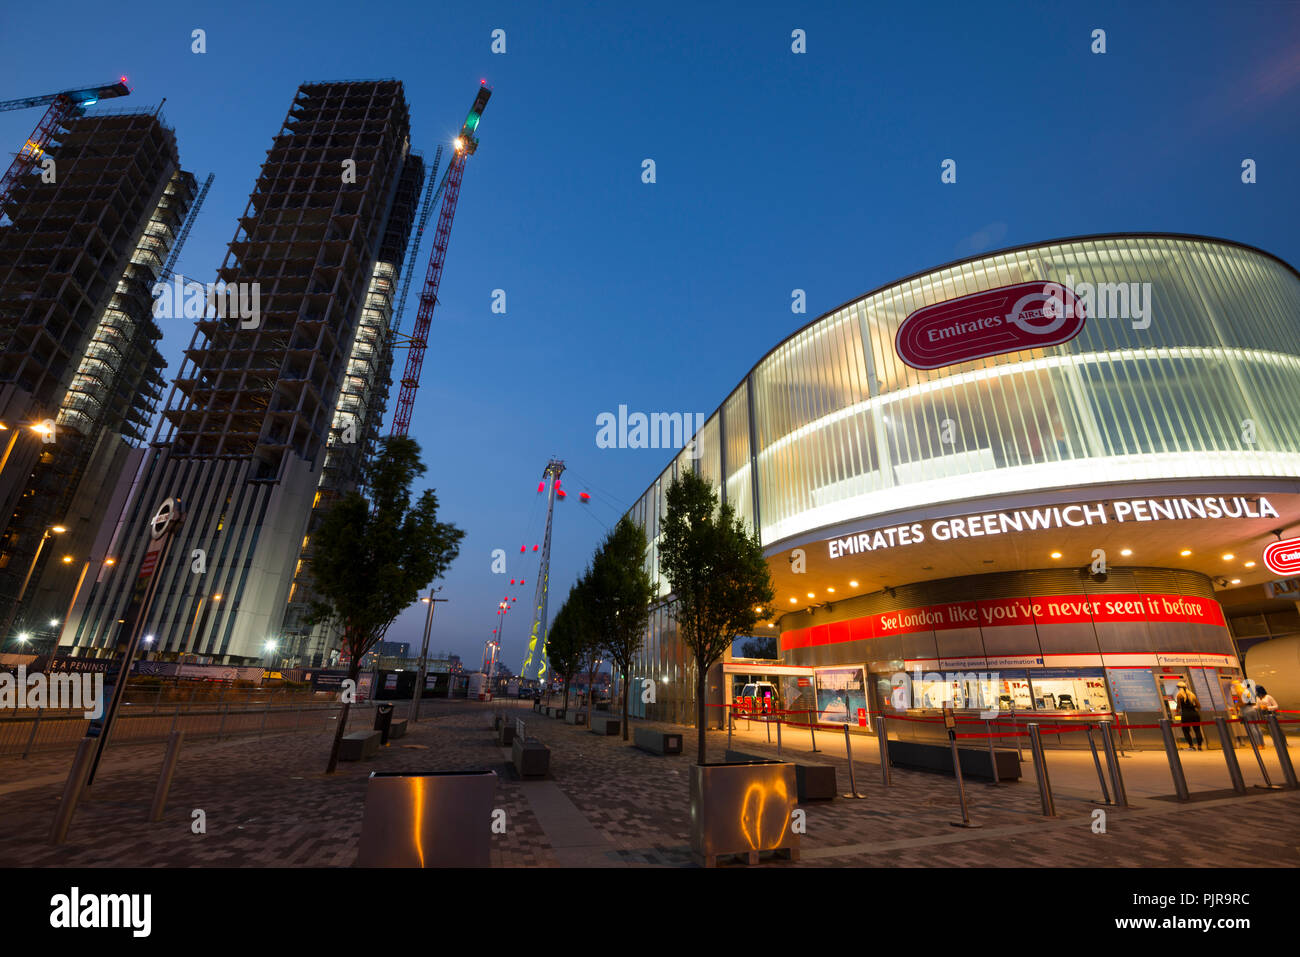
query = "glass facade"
{"x": 1188, "y": 366}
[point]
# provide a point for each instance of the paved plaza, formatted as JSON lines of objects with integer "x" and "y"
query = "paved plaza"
{"x": 606, "y": 804}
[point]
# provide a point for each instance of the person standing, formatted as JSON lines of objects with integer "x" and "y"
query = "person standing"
{"x": 1189, "y": 713}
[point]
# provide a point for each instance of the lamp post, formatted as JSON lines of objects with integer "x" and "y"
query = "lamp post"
{"x": 17, "y": 605}
{"x": 424, "y": 655}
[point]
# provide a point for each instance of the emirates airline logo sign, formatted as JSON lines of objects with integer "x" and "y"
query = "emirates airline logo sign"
{"x": 1028, "y": 315}
{"x": 1283, "y": 558}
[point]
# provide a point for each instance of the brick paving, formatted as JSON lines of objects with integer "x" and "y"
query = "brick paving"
{"x": 269, "y": 804}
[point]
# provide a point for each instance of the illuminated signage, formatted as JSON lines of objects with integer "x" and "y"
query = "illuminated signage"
{"x": 1028, "y": 315}
{"x": 1002, "y": 612}
{"x": 980, "y": 524}
{"x": 1283, "y": 558}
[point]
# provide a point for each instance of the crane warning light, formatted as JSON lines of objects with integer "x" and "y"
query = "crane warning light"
{"x": 540, "y": 486}
{"x": 534, "y": 548}
{"x": 584, "y": 496}
{"x": 560, "y": 492}
{"x": 522, "y": 549}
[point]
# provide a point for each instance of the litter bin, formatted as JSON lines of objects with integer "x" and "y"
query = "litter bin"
{"x": 383, "y": 721}
{"x": 428, "y": 819}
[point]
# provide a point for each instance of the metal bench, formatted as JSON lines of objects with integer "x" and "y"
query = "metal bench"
{"x": 975, "y": 762}
{"x": 814, "y": 782}
{"x": 359, "y": 745}
{"x": 658, "y": 742}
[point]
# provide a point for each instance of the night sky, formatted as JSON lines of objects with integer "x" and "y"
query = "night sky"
{"x": 775, "y": 171}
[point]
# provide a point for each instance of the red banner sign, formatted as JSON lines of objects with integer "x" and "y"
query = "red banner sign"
{"x": 1283, "y": 558}
{"x": 1028, "y": 315}
{"x": 1039, "y": 610}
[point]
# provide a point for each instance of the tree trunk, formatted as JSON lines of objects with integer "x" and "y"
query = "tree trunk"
{"x": 624, "y": 683}
{"x": 566, "y": 694}
{"x": 353, "y": 671}
{"x": 700, "y": 682}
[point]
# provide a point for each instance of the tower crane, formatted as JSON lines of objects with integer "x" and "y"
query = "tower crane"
{"x": 464, "y": 146}
{"x": 62, "y": 105}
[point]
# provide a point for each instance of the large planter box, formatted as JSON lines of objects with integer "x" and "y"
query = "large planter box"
{"x": 601, "y": 724}
{"x": 532, "y": 758}
{"x": 744, "y": 809}
{"x": 574, "y": 716}
{"x": 427, "y": 819}
{"x": 975, "y": 762}
{"x": 506, "y": 735}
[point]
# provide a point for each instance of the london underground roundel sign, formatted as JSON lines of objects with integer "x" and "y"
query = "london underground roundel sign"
{"x": 1283, "y": 558}
{"x": 1028, "y": 315}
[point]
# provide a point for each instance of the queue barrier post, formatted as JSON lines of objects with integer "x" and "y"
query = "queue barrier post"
{"x": 767, "y": 723}
{"x": 961, "y": 783}
{"x": 1230, "y": 755}
{"x": 882, "y": 733}
{"x": 848, "y": 753}
{"x": 1101, "y": 777}
{"x": 1112, "y": 762}
{"x": 778, "y": 735}
{"x": 1251, "y": 734}
{"x": 731, "y": 720}
{"x": 993, "y": 758}
{"x": 1175, "y": 763}
{"x": 812, "y": 730}
{"x": 1283, "y": 755}
{"x": 1040, "y": 771}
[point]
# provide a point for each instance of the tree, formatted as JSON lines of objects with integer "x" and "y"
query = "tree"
{"x": 621, "y": 592}
{"x": 563, "y": 643}
{"x": 764, "y": 647}
{"x": 717, "y": 574}
{"x": 372, "y": 557}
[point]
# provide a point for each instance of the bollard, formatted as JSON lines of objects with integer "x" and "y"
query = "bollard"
{"x": 72, "y": 790}
{"x": 848, "y": 753}
{"x": 1279, "y": 742}
{"x": 31, "y": 738}
{"x": 883, "y": 734}
{"x": 961, "y": 784}
{"x": 1175, "y": 764}
{"x": 1101, "y": 777}
{"x": 778, "y": 737}
{"x": 1230, "y": 755}
{"x": 165, "y": 775}
{"x": 993, "y": 758}
{"x": 1040, "y": 771}
{"x": 1116, "y": 775}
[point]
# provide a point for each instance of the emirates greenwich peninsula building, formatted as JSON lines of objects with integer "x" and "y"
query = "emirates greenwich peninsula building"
{"x": 1038, "y": 480}
{"x": 271, "y": 414}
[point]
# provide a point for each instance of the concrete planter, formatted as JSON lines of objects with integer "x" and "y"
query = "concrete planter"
{"x": 532, "y": 758}
{"x": 742, "y": 808}
{"x": 605, "y": 725}
{"x": 573, "y": 716}
{"x": 427, "y": 819}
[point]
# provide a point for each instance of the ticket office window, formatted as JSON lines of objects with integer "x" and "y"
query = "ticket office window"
{"x": 1072, "y": 693}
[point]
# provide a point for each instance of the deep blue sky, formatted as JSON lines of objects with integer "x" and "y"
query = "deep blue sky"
{"x": 775, "y": 171}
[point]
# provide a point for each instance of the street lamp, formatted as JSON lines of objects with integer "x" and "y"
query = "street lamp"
{"x": 268, "y": 650}
{"x": 429, "y": 600}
